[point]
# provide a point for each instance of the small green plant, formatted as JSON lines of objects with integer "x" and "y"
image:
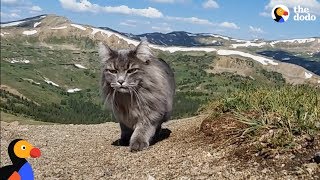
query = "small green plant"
{"x": 290, "y": 110}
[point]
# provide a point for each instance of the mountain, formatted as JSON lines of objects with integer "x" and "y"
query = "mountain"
{"x": 258, "y": 104}
{"x": 50, "y": 67}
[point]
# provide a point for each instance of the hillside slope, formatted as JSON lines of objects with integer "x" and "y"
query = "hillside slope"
{"x": 85, "y": 152}
{"x": 54, "y": 63}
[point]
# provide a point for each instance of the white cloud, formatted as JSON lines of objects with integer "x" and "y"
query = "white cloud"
{"x": 9, "y": 16}
{"x": 148, "y": 12}
{"x": 163, "y": 1}
{"x": 9, "y": 2}
{"x": 131, "y": 21}
{"x": 255, "y": 30}
{"x": 35, "y": 8}
{"x": 192, "y": 20}
{"x": 210, "y": 4}
{"x": 161, "y": 29}
{"x": 170, "y": 1}
{"x": 265, "y": 14}
{"x": 127, "y": 24}
{"x": 229, "y": 25}
{"x": 86, "y": 6}
{"x": 313, "y": 5}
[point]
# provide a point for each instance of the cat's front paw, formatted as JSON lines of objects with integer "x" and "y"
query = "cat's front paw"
{"x": 138, "y": 144}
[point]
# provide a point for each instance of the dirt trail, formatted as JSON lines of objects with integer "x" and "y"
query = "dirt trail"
{"x": 85, "y": 152}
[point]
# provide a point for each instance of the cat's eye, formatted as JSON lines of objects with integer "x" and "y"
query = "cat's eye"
{"x": 113, "y": 71}
{"x": 133, "y": 70}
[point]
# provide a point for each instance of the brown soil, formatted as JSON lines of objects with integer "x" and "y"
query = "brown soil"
{"x": 85, "y": 152}
{"x": 223, "y": 132}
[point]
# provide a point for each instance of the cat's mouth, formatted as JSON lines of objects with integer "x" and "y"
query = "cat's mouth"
{"x": 123, "y": 89}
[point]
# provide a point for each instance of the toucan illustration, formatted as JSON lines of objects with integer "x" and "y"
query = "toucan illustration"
{"x": 20, "y": 169}
{"x": 279, "y": 12}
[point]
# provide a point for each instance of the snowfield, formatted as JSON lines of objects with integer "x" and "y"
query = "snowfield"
{"x": 78, "y": 26}
{"x": 36, "y": 24}
{"x": 239, "y": 40}
{"x": 293, "y": 41}
{"x": 4, "y": 33}
{"x": 260, "y": 59}
{"x": 248, "y": 43}
{"x": 50, "y": 82}
{"x": 62, "y": 27}
{"x": 73, "y": 90}
{"x": 19, "y": 61}
{"x": 79, "y": 66}
{"x": 172, "y": 49}
{"x": 308, "y": 75}
{"x": 31, "y": 81}
{"x": 12, "y": 24}
{"x": 219, "y": 36}
{"x": 28, "y": 33}
{"x": 109, "y": 33}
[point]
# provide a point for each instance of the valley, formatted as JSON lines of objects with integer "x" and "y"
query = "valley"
{"x": 54, "y": 63}
{"x": 242, "y": 108}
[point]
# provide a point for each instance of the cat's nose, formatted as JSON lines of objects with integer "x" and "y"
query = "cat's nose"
{"x": 120, "y": 81}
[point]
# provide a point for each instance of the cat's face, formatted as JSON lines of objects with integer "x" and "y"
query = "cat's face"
{"x": 123, "y": 71}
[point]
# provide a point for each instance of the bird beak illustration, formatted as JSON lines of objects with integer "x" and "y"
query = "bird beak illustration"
{"x": 285, "y": 13}
{"x": 35, "y": 153}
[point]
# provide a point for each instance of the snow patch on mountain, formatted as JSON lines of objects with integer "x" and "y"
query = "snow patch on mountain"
{"x": 79, "y": 66}
{"x": 259, "y": 59}
{"x": 308, "y": 75}
{"x": 219, "y": 36}
{"x": 28, "y": 33}
{"x": 293, "y": 41}
{"x": 109, "y": 33}
{"x": 12, "y": 24}
{"x": 286, "y": 58}
{"x": 36, "y": 24}
{"x": 50, "y": 82}
{"x": 73, "y": 90}
{"x": 78, "y": 26}
{"x": 248, "y": 43}
{"x": 4, "y": 33}
{"x": 191, "y": 34}
{"x": 172, "y": 49}
{"x": 19, "y": 61}
{"x": 31, "y": 81}
{"x": 61, "y": 27}
{"x": 239, "y": 40}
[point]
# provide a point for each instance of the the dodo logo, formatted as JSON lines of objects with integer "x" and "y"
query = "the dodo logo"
{"x": 280, "y": 13}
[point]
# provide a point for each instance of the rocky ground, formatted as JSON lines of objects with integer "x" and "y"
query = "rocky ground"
{"x": 85, "y": 152}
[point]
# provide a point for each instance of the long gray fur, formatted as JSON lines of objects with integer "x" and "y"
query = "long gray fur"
{"x": 139, "y": 88}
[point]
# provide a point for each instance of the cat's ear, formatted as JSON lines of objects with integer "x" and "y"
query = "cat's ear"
{"x": 144, "y": 52}
{"x": 105, "y": 52}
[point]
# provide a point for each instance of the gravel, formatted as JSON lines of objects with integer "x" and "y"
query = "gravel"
{"x": 85, "y": 152}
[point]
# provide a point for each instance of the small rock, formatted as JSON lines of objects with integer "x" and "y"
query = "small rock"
{"x": 311, "y": 167}
{"x": 15, "y": 123}
{"x": 265, "y": 170}
{"x": 209, "y": 154}
{"x": 316, "y": 158}
{"x": 150, "y": 177}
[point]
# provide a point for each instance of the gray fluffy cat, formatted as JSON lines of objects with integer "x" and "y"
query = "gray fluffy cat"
{"x": 139, "y": 88}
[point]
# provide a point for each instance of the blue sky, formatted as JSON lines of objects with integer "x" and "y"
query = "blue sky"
{"x": 235, "y": 18}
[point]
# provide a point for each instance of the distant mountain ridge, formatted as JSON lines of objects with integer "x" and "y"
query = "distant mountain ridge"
{"x": 175, "y": 38}
{"x": 58, "y": 29}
